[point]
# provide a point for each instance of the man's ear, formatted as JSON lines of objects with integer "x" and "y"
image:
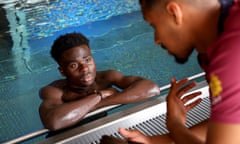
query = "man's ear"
{"x": 60, "y": 69}
{"x": 175, "y": 11}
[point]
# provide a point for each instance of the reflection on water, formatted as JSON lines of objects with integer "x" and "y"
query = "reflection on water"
{"x": 26, "y": 20}
{"x": 44, "y": 17}
{"x": 119, "y": 39}
{"x": 28, "y": 28}
{"x": 20, "y": 50}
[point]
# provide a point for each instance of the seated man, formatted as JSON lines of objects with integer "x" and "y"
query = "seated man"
{"x": 67, "y": 101}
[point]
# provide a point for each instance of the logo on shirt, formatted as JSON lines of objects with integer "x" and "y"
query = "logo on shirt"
{"x": 215, "y": 88}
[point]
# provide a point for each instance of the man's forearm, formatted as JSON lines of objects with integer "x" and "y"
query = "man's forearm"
{"x": 182, "y": 135}
{"x": 140, "y": 90}
{"x": 70, "y": 113}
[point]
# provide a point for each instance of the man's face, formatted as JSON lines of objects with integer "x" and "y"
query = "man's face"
{"x": 169, "y": 32}
{"x": 78, "y": 65}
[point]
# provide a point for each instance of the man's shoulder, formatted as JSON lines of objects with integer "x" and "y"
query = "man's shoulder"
{"x": 110, "y": 76}
{"x": 54, "y": 87}
{"x": 107, "y": 73}
{"x": 58, "y": 83}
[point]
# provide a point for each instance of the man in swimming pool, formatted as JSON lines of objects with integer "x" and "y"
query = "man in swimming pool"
{"x": 212, "y": 28}
{"x": 67, "y": 101}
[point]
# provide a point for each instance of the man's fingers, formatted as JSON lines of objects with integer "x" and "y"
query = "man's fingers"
{"x": 191, "y": 101}
{"x": 182, "y": 82}
{"x": 191, "y": 96}
{"x": 179, "y": 88}
{"x": 134, "y": 136}
{"x": 129, "y": 133}
{"x": 177, "y": 84}
{"x": 185, "y": 89}
{"x": 193, "y": 104}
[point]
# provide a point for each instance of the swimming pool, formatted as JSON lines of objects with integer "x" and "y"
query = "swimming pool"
{"x": 119, "y": 38}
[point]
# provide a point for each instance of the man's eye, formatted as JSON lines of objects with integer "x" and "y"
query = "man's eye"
{"x": 74, "y": 65}
{"x": 88, "y": 59}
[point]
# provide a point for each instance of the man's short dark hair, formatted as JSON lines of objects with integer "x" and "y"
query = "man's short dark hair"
{"x": 65, "y": 42}
{"x": 148, "y": 3}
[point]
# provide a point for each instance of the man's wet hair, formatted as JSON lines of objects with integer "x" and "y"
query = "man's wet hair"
{"x": 148, "y": 4}
{"x": 65, "y": 42}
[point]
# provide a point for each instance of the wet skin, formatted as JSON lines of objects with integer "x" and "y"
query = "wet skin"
{"x": 67, "y": 101}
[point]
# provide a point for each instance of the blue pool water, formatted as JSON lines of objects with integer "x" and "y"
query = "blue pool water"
{"x": 119, "y": 38}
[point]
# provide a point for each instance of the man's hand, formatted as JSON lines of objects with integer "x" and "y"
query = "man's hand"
{"x": 135, "y": 136}
{"x": 108, "y": 92}
{"x": 111, "y": 140}
{"x": 176, "y": 103}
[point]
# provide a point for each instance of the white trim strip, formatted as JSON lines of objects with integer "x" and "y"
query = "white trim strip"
{"x": 189, "y": 78}
{"x": 28, "y": 136}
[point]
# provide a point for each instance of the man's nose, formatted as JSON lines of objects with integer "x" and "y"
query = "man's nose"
{"x": 84, "y": 67}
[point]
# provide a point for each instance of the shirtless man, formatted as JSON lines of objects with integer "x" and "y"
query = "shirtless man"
{"x": 67, "y": 101}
